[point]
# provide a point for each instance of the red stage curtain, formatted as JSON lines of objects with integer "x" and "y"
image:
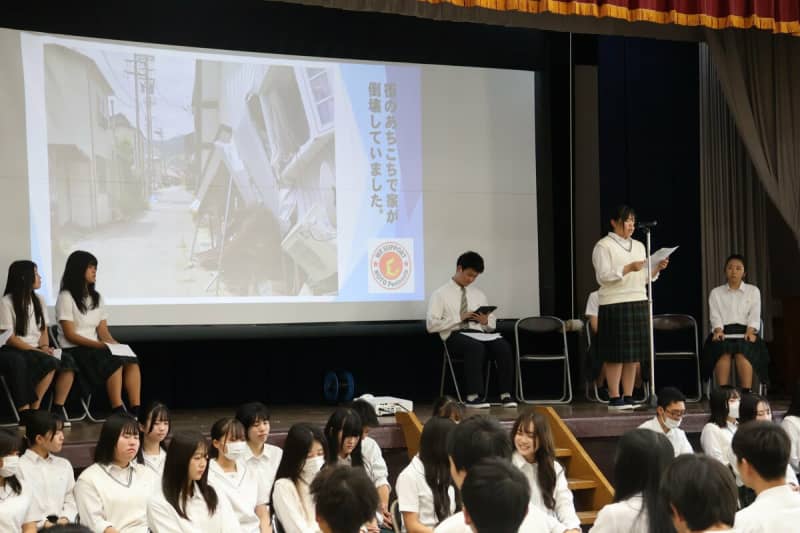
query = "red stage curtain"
{"x": 778, "y": 16}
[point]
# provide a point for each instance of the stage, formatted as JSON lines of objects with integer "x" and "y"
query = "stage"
{"x": 593, "y": 424}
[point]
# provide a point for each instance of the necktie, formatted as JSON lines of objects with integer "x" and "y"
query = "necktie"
{"x": 463, "y": 305}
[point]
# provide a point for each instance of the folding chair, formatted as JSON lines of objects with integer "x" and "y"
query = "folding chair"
{"x": 397, "y": 517}
{"x": 11, "y": 403}
{"x": 447, "y": 363}
{"x": 591, "y": 392}
{"x": 758, "y": 385}
{"x": 85, "y": 402}
{"x": 524, "y": 329}
{"x": 667, "y": 325}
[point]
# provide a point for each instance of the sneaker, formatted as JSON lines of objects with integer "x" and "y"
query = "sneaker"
{"x": 629, "y": 401}
{"x": 602, "y": 393}
{"x": 477, "y": 403}
{"x": 61, "y": 416}
{"x": 508, "y": 402}
{"x": 618, "y": 404}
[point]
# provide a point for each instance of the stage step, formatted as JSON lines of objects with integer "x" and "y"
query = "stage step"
{"x": 563, "y": 452}
{"x": 581, "y": 484}
{"x": 587, "y": 517}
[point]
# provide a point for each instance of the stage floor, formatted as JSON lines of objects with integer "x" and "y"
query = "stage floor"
{"x": 586, "y": 420}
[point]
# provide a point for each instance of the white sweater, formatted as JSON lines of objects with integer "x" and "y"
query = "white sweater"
{"x": 609, "y": 258}
{"x": 105, "y": 501}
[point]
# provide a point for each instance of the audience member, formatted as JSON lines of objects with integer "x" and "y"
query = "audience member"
{"x": 260, "y": 456}
{"x": 344, "y": 499}
{"x": 448, "y": 407}
{"x": 669, "y": 414}
{"x": 496, "y": 496}
{"x": 716, "y": 436}
{"x": 373, "y": 457}
{"x": 15, "y": 503}
{"x": 791, "y": 424}
{"x": 153, "y": 429}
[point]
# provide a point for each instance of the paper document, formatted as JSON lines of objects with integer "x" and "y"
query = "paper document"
{"x": 120, "y": 350}
{"x": 660, "y": 255}
{"x": 5, "y": 336}
{"x": 483, "y": 337}
{"x": 57, "y": 353}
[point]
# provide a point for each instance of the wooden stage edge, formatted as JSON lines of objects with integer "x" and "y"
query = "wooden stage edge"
{"x": 586, "y": 420}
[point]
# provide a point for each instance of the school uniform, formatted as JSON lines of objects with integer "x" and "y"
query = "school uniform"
{"x": 789, "y": 476}
{"x": 734, "y": 310}
{"x": 14, "y": 508}
{"x": 414, "y": 495}
{"x": 716, "y": 441}
{"x": 51, "y": 482}
{"x": 109, "y": 496}
{"x": 564, "y": 510}
{"x": 775, "y": 510}
{"x": 676, "y": 436}
{"x": 294, "y": 507}
{"x": 593, "y": 362}
{"x": 156, "y": 462}
{"x": 374, "y": 463}
{"x": 95, "y": 365}
{"x": 244, "y": 492}
{"x": 535, "y": 521}
{"x": 791, "y": 424}
{"x": 23, "y": 369}
{"x": 627, "y": 516}
{"x": 464, "y": 339}
{"x": 163, "y": 518}
{"x": 265, "y": 465}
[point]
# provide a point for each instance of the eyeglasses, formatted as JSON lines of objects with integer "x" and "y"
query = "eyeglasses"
{"x": 675, "y": 414}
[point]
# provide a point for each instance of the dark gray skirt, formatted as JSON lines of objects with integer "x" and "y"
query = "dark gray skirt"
{"x": 755, "y": 352}
{"x": 624, "y": 334}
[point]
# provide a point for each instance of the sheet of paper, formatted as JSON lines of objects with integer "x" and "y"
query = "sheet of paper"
{"x": 659, "y": 255}
{"x": 5, "y": 336}
{"x": 120, "y": 350}
{"x": 483, "y": 337}
{"x": 57, "y": 353}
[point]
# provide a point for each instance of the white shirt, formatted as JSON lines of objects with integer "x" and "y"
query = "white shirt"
{"x": 791, "y": 424}
{"x": 156, "y": 462}
{"x": 244, "y": 491}
{"x": 374, "y": 463}
{"x": 294, "y": 507}
{"x": 789, "y": 477}
{"x": 626, "y": 516}
{"x": 105, "y": 499}
{"x": 14, "y": 508}
{"x": 8, "y": 319}
{"x": 444, "y": 311}
{"x": 535, "y": 522}
{"x": 675, "y": 436}
{"x": 735, "y": 306}
{"x": 776, "y": 510}
{"x": 265, "y": 465}
{"x": 609, "y": 257}
{"x": 163, "y": 518}
{"x": 85, "y": 323}
{"x": 414, "y": 495}
{"x": 564, "y": 510}
{"x": 593, "y": 304}
{"x": 51, "y": 482}
{"x": 716, "y": 441}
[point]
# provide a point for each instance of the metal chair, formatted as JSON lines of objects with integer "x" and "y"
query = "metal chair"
{"x": 447, "y": 363}
{"x": 397, "y": 517}
{"x": 758, "y": 385}
{"x": 541, "y": 325}
{"x": 675, "y": 323}
{"x": 85, "y": 402}
{"x": 11, "y": 403}
{"x": 591, "y": 392}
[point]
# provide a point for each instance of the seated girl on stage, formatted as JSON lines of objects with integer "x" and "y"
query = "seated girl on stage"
{"x": 425, "y": 493}
{"x": 15, "y": 503}
{"x": 232, "y": 478}
{"x": 718, "y": 432}
{"x": 153, "y": 429}
{"x": 303, "y": 457}
{"x": 26, "y": 359}
{"x": 112, "y": 494}
{"x": 535, "y": 454}
{"x": 735, "y": 313}
{"x": 83, "y": 333}
{"x": 50, "y": 479}
{"x": 186, "y": 502}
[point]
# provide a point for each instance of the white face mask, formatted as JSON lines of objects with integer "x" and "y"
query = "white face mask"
{"x": 733, "y": 408}
{"x": 235, "y": 450}
{"x": 311, "y": 468}
{"x": 672, "y": 424}
{"x": 10, "y": 466}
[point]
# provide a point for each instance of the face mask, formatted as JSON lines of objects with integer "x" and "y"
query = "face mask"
{"x": 235, "y": 450}
{"x": 672, "y": 424}
{"x": 10, "y": 466}
{"x": 733, "y": 409}
{"x": 311, "y": 468}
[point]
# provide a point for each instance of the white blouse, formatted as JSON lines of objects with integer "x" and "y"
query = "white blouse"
{"x": 593, "y": 304}
{"x": 52, "y": 483}
{"x": 156, "y": 462}
{"x": 265, "y": 465}
{"x": 716, "y": 441}
{"x": 564, "y": 509}
{"x": 294, "y": 507}
{"x": 244, "y": 492}
{"x": 626, "y": 516}
{"x": 109, "y": 496}
{"x": 85, "y": 323}
{"x": 444, "y": 311}
{"x": 14, "y": 508}
{"x": 8, "y": 320}
{"x": 373, "y": 462}
{"x": 414, "y": 495}
{"x": 163, "y": 518}
{"x": 534, "y": 522}
{"x": 735, "y": 306}
{"x": 791, "y": 424}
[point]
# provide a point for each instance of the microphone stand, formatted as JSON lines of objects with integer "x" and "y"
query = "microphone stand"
{"x": 653, "y": 400}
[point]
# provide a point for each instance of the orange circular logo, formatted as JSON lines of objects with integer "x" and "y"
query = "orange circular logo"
{"x": 390, "y": 265}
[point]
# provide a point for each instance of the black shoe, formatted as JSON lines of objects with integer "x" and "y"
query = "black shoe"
{"x": 602, "y": 393}
{"x": 508, "y": 402}
{"x": 59, "y": 413}
{"x": 618, "y": 404}
{"x": 477, "y": 403}
{"x": 629, "y": 401}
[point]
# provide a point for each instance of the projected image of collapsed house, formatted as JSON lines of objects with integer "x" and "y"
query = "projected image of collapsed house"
{"x": 265, "y": 201}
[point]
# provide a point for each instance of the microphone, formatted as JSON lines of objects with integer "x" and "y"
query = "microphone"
{"x": 646, "y": 225}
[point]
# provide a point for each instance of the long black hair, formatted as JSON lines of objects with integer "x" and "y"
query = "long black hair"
{"x": 748, "y": 408}
{"x": 10, "y": 443}
{"x": 433, "y": 454}
{"x": 642, "y": 458}
{"x": 114, "y": 426}
{"x": 19, "y": 286}
{"x": 346, "y": 421}
{"x": 175, "y": 483}
{"x": 545, "y": 454}
{"x": 74, "y": 280}
{"x": 295, "y": 451}
{"x": 719, "y": 404}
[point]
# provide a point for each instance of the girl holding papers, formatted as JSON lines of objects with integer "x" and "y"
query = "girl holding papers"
{"x": 83, "y": 333}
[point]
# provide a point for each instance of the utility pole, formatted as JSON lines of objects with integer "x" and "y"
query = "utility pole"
{"x": 142, "y": 78}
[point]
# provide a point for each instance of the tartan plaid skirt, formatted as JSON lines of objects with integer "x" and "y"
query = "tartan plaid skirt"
{"x": 755, "y": 352}
{"x": 625, "y": 337}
